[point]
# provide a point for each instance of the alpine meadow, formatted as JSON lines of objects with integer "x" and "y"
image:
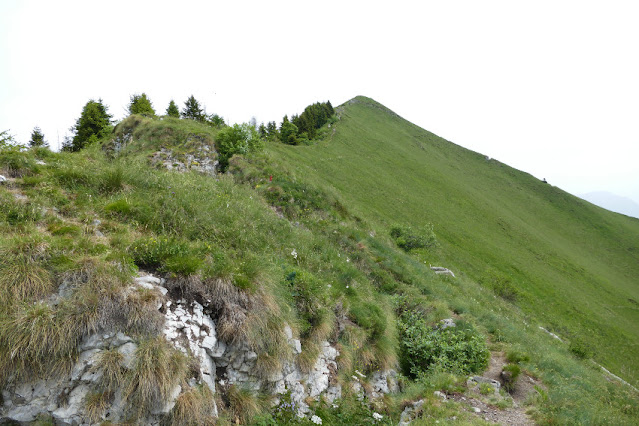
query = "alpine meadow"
{"x": 342, "y": 267}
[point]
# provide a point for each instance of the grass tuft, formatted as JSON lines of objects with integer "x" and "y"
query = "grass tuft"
{"x": 195, "y": 406}
{"x": 157, "y": 369}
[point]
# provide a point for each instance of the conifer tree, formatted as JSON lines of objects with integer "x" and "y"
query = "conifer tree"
{"x": 271, "y": 130}
{"x": 93, "y": 124}
{"x": 288, "y": 132}
{"x": 37, "y": 138}
{"x": 172, "y": 110}
{"x": 193, "y": 110}
{"x": 140, "y": 104}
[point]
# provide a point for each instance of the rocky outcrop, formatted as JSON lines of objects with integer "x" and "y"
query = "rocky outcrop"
{"x": 63, "y": 398}
{"x": 203, "y": 160}
{"x": 190, "y": 327}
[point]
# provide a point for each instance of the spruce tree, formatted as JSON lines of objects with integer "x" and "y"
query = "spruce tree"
{"x": 37, "y": 138}
{"x": 193, "y": 110}
{"x": 93, "y": 124}
{"x": 140, "y": 104}
{"x": 172, "y": 110}
{"x": 271, "y": 130}
{"x": 288, "y": 131}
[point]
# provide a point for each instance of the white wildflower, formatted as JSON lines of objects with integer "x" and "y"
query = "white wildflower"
{"x": 294, "y": 253}
{"x": 348, "y": 259}
{"x": 317, "y": 420}
{"x": 377, "y": 416}
{"x": 360, "y": 374}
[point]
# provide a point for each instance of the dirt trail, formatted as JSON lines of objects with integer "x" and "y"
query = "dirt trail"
{"x": 515, "y": 415}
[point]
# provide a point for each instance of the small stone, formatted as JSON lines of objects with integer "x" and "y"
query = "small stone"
{"x": 440, "y": 395}
{"x": 477, "y": 409}
{"x": 128, "y": 352}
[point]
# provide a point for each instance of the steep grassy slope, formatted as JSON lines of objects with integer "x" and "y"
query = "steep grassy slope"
{"x": 300, "y": 236}
{"x": 571, "y": 265}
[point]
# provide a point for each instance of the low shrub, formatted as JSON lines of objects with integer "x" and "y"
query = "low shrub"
{"x": 409, "y": 239}
{"x": 457, "y": 349}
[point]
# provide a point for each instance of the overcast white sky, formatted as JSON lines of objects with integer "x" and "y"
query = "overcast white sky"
{"x": 548, "y": 87}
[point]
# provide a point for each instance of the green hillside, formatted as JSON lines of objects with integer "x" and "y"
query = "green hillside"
{"x": 298, "y": 251}
{"x": 575, "y": 266}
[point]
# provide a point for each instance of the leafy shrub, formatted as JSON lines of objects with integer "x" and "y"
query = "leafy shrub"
{"x": 409, "y": 239}
{"x": 238, "y": 139}
{"x": 457, "y": 349}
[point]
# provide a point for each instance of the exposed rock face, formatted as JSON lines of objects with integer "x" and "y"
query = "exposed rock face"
{"x": 203, "y": 161}
{"x": 190, "y": 327}
{"x": 63, "y": 398}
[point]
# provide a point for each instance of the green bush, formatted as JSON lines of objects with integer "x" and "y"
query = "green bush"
{"x": 457, "y": 349}
{"x": 238, "y": 139}
{"x": 409, "y": 239}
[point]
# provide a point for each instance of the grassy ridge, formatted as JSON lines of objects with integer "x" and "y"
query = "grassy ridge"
{"x": 573, "y": 265}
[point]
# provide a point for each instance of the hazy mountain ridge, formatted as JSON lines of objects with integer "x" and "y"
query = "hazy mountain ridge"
{"x": 613, "y": 202}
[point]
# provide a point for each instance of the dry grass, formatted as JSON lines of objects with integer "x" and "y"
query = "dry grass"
{"x": 96, "y": 403}
{"x": 158, "y": 368}
{"x": 141, "y": 312}
{"x": 110, "y": 363}
{"x": 35, "y": 339}
{"x": 195, "y": 406}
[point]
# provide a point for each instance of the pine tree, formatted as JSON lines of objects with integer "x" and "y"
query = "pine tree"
{"x": 93, "y": 124}
{"x": 172, "y": 110}
{"x": 262, "y": 130}
{"x": 140, "y": 104}
{"x": 288, "y": 132}
{"x": 271, "y": 130}
{"x": 193, "y": 110}
{"x": 37, "y": 138}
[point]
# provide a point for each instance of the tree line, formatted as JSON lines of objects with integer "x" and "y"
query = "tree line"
{"x": 95, "y": 122}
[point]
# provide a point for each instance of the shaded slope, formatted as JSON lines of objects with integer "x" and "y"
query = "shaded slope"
{"x": 575, "y": 266}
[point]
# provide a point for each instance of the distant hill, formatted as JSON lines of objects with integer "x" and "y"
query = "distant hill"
{"x": 613, "y": 202}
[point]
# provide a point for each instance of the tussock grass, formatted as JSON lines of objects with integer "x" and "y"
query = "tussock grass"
{"x": 96, "y": 404}
{"x": 140, "y": 311}
{"x": 35, "y": 339}
{"x": 194, "y": 407}
{"x": 22, "y": 280}
{"x": 157, "y": 369}
{"x": 243, "y": 404}
{"x": 110, "y": 364}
